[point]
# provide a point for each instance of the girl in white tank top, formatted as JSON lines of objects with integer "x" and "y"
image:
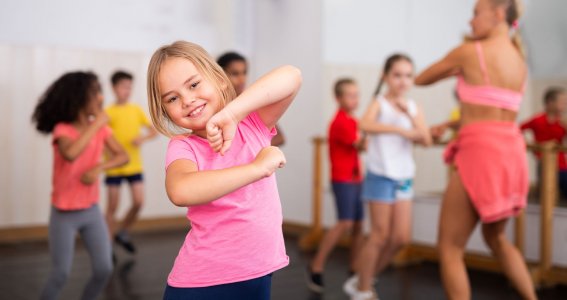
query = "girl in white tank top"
{"x": 393, "y": 124}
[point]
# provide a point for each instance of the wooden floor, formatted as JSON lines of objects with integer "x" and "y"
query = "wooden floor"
{"x": 24, "y": 268}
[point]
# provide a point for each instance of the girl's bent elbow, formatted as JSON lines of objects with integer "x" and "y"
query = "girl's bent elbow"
{"x": 295, "y": 73}
{"x": 67, "y": 157}
{"x": 177, "y": 199}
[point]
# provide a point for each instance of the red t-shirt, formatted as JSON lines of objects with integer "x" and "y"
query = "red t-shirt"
{"x": 545, "y": 131}
{"x": 343, "y": 133}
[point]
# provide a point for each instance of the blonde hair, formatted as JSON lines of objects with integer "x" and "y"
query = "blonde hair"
{"x": 513, "y": 12}
{"x": 206, "y": 66}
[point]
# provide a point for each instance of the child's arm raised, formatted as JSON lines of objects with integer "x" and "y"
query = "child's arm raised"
{"x": 270, "y": 96}
{"x": 186, "y": 186}
{"x": 71, "y": 149}
{"x": 118, "y": 157}
{"x": 450, "y": 65}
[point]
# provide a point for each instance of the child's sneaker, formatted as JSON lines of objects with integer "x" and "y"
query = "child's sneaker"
{"x": 364, "y": 295}
{"x": 350, "y": 287}
{"x": 123, "y": 239}
{"x": 314, "y": 281}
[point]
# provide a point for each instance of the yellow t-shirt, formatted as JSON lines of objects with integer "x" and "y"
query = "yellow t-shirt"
{"x": 127, "y": 121}
{"x": 455, "y": 116}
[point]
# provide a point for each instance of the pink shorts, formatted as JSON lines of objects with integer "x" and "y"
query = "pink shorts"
{"x": 490, "y": 158}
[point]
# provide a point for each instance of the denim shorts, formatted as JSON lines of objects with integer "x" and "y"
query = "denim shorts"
{"x": 348, "y": 201}
{"x": 384, "y": 189}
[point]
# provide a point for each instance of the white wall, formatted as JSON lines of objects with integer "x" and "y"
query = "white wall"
{"x": 287, "y": 33}
{"x": 327, "y": 39}
{"x": 127, "y": 25}
{"x": 39, "y": 41}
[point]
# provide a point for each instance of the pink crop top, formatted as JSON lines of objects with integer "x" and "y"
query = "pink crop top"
{"x": 487, "y": 94}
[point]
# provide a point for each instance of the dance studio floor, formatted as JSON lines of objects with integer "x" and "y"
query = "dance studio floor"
{"x": 24, "y": 267}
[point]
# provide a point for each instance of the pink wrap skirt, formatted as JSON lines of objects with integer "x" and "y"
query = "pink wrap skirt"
{"x": 490, "y": 158}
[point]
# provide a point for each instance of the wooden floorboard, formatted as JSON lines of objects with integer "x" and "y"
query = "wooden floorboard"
{"x": 24, "y": 268}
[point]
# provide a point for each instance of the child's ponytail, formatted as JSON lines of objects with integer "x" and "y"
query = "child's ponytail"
{"x": 513, "y": 13}
{"x": 379, "y": 87}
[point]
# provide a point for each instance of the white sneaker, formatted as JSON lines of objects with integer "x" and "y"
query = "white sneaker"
{"x": 364, "y": 295}
{"x": 350, "y": 287}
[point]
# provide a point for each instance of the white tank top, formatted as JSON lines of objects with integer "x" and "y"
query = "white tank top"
{"x": 389, "y": 154}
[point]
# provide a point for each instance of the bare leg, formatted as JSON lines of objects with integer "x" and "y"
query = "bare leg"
{"x": 510, "y": 258}
{"x": 328, "y": 244}
{"x": 380, "y": 216}
{"x": 457, "y": 222}
{"x": 400, "y": 233}
{"x": 113, "y": 199}
{"x": 137, "y": 191}
{"x": 357, "y": 241}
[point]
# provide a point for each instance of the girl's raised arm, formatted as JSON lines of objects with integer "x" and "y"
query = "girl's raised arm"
{"x": 270, "y": 96}
{"x": 70, "y": 149}
{"x": 449, "y": 66}
{"x": 117, "y": 157}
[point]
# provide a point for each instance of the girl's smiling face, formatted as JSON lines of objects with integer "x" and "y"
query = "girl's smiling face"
{"x": 188, "y": 98}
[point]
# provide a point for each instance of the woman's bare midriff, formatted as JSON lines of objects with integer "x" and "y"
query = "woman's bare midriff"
{"x": 471, "y": 113}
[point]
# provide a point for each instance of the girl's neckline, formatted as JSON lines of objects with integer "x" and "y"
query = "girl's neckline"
{"x": 394, "y": 106}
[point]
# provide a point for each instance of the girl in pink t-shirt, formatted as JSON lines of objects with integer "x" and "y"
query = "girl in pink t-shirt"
{"x": 221, "y": 166}
{"x": 71, "y": 109}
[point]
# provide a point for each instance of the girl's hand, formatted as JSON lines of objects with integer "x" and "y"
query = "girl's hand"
{"x": 101, "y": 119}
{"x": 90, "y": 176}
{"x": 361, "y": 143}
{"x": 402, "y": 106}
{"x": 137, "y": 142}
{"x": 437, "y": 131}
{"x": 220, "y": 130}
{"x": 269, "y": 159}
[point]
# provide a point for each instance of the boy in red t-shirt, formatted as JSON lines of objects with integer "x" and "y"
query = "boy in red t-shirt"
{"x": 344, "y": 144}
{"x": 547, "y": 126}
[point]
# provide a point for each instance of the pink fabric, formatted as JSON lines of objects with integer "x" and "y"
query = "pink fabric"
{"x": 487, "y": 94}
{"x": 239, "y": 236}
{"x": 68, "y": 192}
{"x": 491, "y": 160}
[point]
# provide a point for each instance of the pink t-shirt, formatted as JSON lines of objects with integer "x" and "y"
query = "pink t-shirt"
{"x": 239, "y": 236}
{"x": 69, "y": 193}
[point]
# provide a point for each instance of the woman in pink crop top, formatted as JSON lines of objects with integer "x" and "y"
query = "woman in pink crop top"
{"x": 491, "y": 181}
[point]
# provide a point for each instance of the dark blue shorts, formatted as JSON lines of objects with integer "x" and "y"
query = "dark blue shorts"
{"x": 116, "y": 180}
{"x": 253, "y": 289}
{"x": 562, "y": 177}
{"x": 348, "y": 200}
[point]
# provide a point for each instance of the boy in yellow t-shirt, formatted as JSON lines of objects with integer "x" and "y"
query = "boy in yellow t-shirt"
{"x": 127, "y": 121}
